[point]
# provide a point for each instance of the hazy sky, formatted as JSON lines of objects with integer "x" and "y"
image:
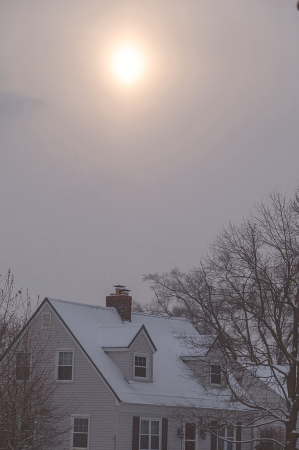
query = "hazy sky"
{"x": 101, "y": 183}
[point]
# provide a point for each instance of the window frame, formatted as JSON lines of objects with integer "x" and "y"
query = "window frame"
{"x": 226, "y": 438}
{"x": 29, "y": 366}
{"x": 79, "y": 416}
{"x": 60, "y": 350}
{"x": 215, "y": 364}
{"x": 150, "y": 419}
{"x": 50, "y": 321}
{"x": 143, "y": 355}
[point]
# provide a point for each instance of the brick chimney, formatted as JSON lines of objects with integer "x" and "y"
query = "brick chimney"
{"x": 121, "y": 301}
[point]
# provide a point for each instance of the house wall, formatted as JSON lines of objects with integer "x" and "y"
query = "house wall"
{"x": 125, "y": 425}
{"x": 125, "y": 428}
{"x": 88, "y": 394}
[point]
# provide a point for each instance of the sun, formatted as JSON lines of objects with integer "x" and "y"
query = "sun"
{"x": 128, "y": 64}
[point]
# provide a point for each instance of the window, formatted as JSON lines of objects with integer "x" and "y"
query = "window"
{"x": 227, "y": 434}
{"x": 80, "y": 432}
{"x": 140, "y": 366}
{"x": 27, "y": 431}
{"x": 190, "y": 436}
{"x": 22, "y": 366}
{"x": 215, "y": 373}
{"x": 65, "y": 365}
{"x": 46, "y": 321}
{"x": 150, "y": 434}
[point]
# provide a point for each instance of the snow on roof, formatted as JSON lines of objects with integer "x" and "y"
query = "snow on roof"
{"x": 273, "y": 377}
{"x": 172, "y": 384}
{"x": 119, "y": 336}
{"x": 195, "y": 345}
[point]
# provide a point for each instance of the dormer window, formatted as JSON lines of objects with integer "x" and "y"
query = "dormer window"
{"x": 140, "y": 366}
{"x": 215, "y": 373}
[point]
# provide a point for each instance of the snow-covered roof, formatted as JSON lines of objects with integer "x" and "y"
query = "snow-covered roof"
{"x": 273, "y": 377}
{"x": 119, "y": 337}
{"x": 193, "y": 346}
{"x": 172, "y": 384}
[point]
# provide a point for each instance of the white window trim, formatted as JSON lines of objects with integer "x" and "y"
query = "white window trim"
{"x": 151, "y": 419}
{"x": 73, "y": 364}
{"x": 43, "y": 327}
{"x": 79, "y": 416}
{"x": 196, "y": 436}
{"x": 215, "y": 363}
{"x": 146, "y": 355}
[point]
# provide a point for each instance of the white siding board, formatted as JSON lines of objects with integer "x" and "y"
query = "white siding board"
{"x": 88, "y": 392}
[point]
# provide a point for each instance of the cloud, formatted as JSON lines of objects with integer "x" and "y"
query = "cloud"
{"x": 12, "y": 104}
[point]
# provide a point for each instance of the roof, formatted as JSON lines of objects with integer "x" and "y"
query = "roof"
{"x": 96, "y": 327}
{"x": 120, "y": 337}
{"x": 190, "y": 346}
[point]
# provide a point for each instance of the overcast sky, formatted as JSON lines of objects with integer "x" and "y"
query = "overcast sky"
{"x": 101, "y": 183}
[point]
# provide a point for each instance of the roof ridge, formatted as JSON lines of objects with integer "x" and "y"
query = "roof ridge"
{"x": 160, "y": 316}
{"x": 76, "y": 303}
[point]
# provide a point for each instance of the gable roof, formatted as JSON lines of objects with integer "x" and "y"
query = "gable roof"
{"x": 120, "y": 337}
{"x": 172, "y": 383}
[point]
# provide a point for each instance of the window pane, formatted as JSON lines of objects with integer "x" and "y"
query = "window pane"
{"x": 140, "y": 361}
{"x": 230, "y": 432}
{"x": 23, "y": 359}
{"x": 65, "y": 373}
{"x": 190, "y": 445}
{"x": 229, "y": 446}
{"x": 80, "y": 440}
{"x": 154, "y": 427}
{"x": 190, "y": 431}
{"x": 65, "y": 358}
{"x": 154, "y": 442}
{"x": 144, "y": 427}
{"x": 22, "y": 366}
{"x": 140, "y": 372}
{"x": 81, "y": 425}
{"x": 22, "y": 373}
{"x": 216, "y": 379}
{"x": 144, "y": 442}
{"x": 215, "y": 370}
{"x": 220, "y": 444}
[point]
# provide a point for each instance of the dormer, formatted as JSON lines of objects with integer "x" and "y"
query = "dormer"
{"x": 131, "y": 348}
{"x": 200, "y": 354}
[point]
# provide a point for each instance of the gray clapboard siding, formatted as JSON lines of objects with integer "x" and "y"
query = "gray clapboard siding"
{"x": 125, "y": 428}
{"x": 89, "y": 393}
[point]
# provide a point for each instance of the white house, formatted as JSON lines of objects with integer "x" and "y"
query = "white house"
{"x": 130, "y": 375}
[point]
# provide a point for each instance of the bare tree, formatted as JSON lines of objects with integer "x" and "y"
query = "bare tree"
{"x": 246, "y": 292}
{"x": 15, "y": 310}
{"x": 30, "y": 413}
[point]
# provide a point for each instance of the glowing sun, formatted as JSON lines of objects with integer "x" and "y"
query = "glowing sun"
{"x": 128, "y": 64}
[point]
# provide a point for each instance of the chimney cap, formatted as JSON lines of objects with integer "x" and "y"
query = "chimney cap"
{"x": 120, "y": 289}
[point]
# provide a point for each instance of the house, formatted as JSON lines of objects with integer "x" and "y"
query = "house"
{"x": 131, "y": 376}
